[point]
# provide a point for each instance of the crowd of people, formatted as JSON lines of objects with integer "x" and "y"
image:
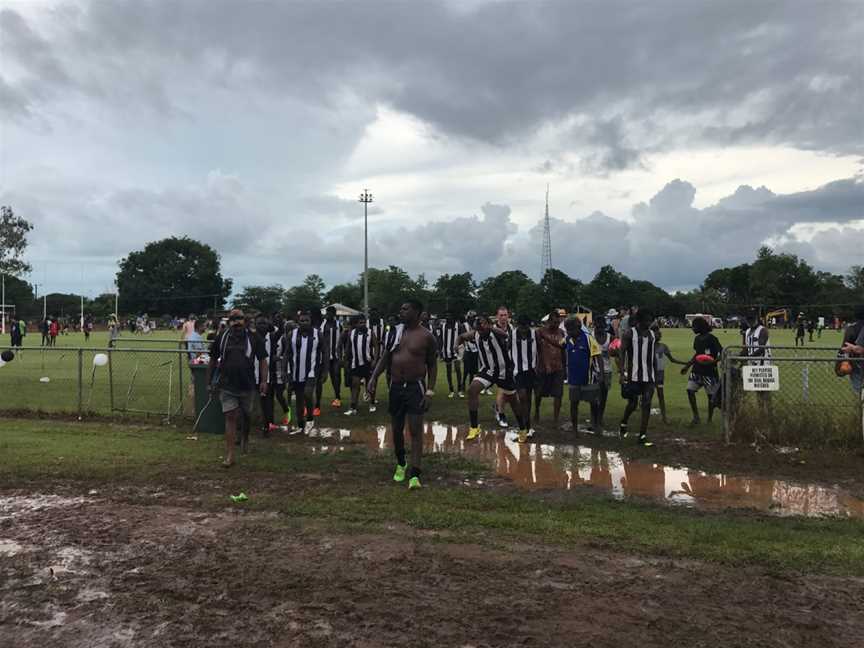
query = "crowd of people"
{"x": 289, "y": 362}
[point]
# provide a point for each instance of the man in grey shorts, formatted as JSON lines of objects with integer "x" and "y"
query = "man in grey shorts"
{"x": 232, "y": 359}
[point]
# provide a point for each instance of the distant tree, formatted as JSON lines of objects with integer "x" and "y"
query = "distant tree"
{"x": 13, "y": 241}
{"x": 263, "y": 299}
{"x": 64, "y": 304}
{"x": 732, "y": 284}
{"x": 855, "y": 281}
{"x": 529, "y": 301}
{"x": 174, "y": 275}
{"x": 306, "y": 296}
{"x": 101, "y": 307}
{"x": 503, "y": 290}
{"x": 349, "y": 294}
{"x": 609, "y": 289}
{"x": 560, "y": 290}
{"x": 389, "y": 288}
{"x": 20, "y": 293}
{"x": 456, "y": 293}
{"x": 782, "y": 279}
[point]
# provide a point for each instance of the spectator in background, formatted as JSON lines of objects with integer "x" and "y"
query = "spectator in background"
{"x": 195, "y": 341}
{"x": 188, "y": 327}
{"x": 44, "y": 325}
{"x": 853, "y": 344}
{"x": 113, "y": 332}
{"x": 14, "y": 333}
{"x": 53, "y": 332}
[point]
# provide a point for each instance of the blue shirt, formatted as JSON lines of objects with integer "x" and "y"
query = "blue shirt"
{"x": 578, "y": 359}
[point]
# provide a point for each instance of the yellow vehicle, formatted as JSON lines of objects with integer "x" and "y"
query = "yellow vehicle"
{"x": 778, "y": 317}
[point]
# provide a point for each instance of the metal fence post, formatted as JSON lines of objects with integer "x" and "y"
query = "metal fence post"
{"x": 80, "y": 383}
{"x": 110, "y": 381}
{"x": 727, "y": 393}
{"x": 181, "y": 400}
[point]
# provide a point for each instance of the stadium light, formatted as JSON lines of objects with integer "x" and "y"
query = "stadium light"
{"x": 366, "y": 198}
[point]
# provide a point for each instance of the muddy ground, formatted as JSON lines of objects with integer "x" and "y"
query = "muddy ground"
{"x": 92, "y": 569}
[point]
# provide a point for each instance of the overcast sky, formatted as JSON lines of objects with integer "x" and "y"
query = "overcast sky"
{"x": 676, "y": 136}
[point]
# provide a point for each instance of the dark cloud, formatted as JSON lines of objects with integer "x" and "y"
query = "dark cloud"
{"x": 640, "y": 79}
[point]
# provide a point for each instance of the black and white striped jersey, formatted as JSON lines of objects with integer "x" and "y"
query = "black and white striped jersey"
{"x": 494, "y": 356}
{"x": 470, "y": 345}
{"x": 642, "y": 358}
{"x": 273, "y": 348}
{"x": 378, "y": 328}
{"x": 360, "y": 345}
{"x": 394, "y": 337}
{"x": 447, "y": 335}
{"x": 304, "y": 354}
{"x": 754, "y": 348}
{"x": 524, "y": 352}
{"x": 331, "y": 332}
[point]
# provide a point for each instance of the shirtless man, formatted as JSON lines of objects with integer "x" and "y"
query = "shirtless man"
{"x": 410, "y": 353}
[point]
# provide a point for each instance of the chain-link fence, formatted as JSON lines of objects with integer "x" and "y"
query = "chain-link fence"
{"x": 793, "y": 397}
{"x": 99, "y": 381}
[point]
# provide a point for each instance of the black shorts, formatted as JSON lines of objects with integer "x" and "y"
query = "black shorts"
{"x": 526, "y": 380}
{"x": 362, "y": 372}
{"x": 305, "y": 387}
{"x": 469, "y": 362}
{"x": 506, "y": 385}
{"x": 635, "y": 390}
{"x": 551, "y": 384}
{"x": 407, "y": 399}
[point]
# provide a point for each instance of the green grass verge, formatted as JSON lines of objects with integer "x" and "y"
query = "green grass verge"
{"x": 352, "y": 489}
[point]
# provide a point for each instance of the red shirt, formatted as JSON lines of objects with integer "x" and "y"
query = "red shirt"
{"x": 54, "y": 330}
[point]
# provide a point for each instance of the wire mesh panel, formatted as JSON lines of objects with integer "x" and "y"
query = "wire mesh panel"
{"x": 98, "y": 381}
{"x": 43, "y": 379}
{"x": 810, "y": 404}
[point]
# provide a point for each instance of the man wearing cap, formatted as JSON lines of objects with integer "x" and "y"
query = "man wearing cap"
{"x": 233, "y": 355}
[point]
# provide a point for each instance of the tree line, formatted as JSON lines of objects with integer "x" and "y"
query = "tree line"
{"x": 178, "y": 275}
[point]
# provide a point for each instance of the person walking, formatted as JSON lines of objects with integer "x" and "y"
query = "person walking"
{"x": 637, "y": 372}
{"x": 449, "y": 331}
{"x": 331, "y": 336}
{"x": 584, "y": 369}
{"x": 411, "y": 354}
{"x": 550, "y": 366}
{"x": 233, "y": 358}
{"x": 525, "y": 366}
{"x": 496, "y": 368}
{"x": 360, "y": 358}
{"x": 703, "y": 371}
{"x": 302, "y": 362}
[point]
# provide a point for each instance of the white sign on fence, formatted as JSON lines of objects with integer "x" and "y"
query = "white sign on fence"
{"x": 761, "y": 378}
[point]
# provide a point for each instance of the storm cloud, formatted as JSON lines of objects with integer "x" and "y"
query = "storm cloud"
{"x": 252, "y": 126}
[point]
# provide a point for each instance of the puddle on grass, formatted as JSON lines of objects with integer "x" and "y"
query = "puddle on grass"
{"x": 547, "y": 466}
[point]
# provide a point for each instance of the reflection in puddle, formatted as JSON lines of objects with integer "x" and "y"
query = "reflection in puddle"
{"x": 546, "y": 466}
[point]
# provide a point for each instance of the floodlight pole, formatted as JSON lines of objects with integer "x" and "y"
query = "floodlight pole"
{"x": 3, "y": 315}
{"x": 366, "y": 198}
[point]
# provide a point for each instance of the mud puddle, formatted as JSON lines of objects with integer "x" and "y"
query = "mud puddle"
{"x": 559, "y": 466}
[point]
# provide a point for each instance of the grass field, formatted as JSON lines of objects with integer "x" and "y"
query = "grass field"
{"x": 145, "y": 379}
{"x": 118, "y": 534}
